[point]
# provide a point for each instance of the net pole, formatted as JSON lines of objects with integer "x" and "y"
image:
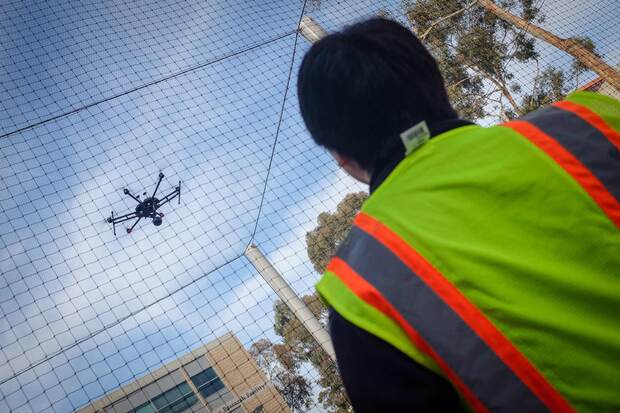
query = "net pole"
{"x": 288, "y": 297}
{"x": 311, "y": 30}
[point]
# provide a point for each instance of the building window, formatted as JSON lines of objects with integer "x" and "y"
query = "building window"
{"x": 207, "y": 382}
{"x": 145, "y": 408}
{"x": 181, "y": 398}
{"x": 176, "y": 400}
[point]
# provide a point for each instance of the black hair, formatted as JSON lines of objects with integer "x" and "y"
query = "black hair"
{"x": 361, "y": 87}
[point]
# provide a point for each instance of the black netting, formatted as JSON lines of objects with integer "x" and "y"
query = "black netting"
{"x": 101, "y": 96}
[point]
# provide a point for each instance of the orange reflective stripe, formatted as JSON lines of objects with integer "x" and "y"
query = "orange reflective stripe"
{"x": 367, "y": 292}
{"x": 482, "y": 371}
{"x": 590, "y": 183}
{"x": 468, "y": 312}
{"x": 593, "y": 119}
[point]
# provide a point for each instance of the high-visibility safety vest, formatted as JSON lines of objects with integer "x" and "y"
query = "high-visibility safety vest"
{"x": 492, "y": 256}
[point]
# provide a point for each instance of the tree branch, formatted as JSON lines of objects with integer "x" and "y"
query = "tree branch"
{"x": 571, "y": 46}
{"x": 502, "y": 110}
{"x": 504, "y": 91}
{"x": 501, "y": 86}
{"x": 453, "y": 85}
{"x": 536, "y": 80}
{"x": 447, "y": 17}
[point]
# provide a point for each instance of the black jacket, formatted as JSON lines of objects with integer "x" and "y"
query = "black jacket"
{"x": 380, "y": 378}
{"x": 377, "y": 376}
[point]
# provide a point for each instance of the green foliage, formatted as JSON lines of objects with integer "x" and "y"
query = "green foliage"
{"x": 282, "y": 369}
{"x": 578, "y": 68}
{"x": 331, "y": 229}
{"x": 321, "y": 243}
{"x": 531, "y": 12}
{"x": 464, "y": 87}
{"x": 549, "y": 87}
{"x": 304, "y": 349}
{"x": 476, "y": 41}
{"x": 472, "y": 43}
{"x": 477, "y": 51}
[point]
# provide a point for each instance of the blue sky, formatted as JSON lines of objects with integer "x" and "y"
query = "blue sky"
{"x": 151, "y": 296}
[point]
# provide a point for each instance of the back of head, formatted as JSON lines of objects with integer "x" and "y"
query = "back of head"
{"x": 360, "y": 88}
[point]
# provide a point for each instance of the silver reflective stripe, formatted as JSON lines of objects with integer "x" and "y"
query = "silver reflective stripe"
{"x": 477, "y": 365}
{"x": 586, "y": 143}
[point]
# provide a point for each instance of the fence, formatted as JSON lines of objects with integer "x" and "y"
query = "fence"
{"x": 102, "y": 96}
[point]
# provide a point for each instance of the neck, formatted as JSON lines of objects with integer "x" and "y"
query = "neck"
{"x": 384, "y": 167}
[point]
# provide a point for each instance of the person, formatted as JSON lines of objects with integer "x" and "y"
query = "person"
{"x": 482, "y": 273}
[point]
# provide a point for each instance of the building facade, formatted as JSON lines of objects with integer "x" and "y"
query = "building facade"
{"x": 220, "y": 377}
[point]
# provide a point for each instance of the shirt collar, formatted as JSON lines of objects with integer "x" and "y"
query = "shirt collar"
{"x": 383, "y": 169}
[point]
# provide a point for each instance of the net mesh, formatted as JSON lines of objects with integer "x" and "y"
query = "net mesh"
{"x": 102, "y": 96}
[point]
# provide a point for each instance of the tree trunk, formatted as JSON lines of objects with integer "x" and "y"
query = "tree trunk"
{"x": 504, "y": 91}
{"x": 570, "y": 46}
{"x": 444, "y": 18}
{"x": 500, "y": 85}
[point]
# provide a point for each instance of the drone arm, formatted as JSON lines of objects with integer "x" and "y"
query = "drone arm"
{"x": 131, "y": 214}
{"x": 134, "y": 225}
{"x": 123, "y": 218}
{"x": 161, "y": 176}
{"x": 126, "y": 191}
{"x": 169, "y": 197}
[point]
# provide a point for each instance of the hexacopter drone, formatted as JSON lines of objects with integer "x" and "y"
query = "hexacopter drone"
{"x": 146, "y": 208}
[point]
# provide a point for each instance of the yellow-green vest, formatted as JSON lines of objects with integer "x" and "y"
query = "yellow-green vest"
{"x": 492, "y": 256}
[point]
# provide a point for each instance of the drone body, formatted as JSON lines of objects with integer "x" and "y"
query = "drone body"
{"x": 146, "y": 208}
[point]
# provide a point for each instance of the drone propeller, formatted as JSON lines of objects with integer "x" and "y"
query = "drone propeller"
{"x": 111, "y": 219}
{"x": 136, "y": 198}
